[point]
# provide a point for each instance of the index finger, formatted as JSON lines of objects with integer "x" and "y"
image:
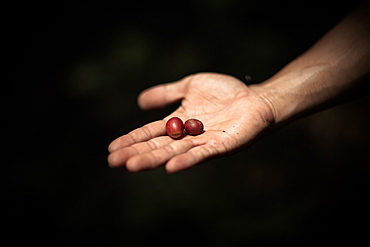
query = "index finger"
{"x": 141, "y": 134}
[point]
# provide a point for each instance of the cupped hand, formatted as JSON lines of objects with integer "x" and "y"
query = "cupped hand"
{"x": 233, "y": 116}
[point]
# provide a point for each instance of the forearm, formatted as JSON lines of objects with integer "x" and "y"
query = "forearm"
{"x": 337, "y": 64}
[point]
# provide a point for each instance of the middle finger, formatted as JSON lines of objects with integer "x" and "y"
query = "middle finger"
{"x": 159, "y": 156}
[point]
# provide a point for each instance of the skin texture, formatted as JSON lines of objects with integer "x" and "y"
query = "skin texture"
{"x": 229, "y": 123}
{"x": 235, "y": 115}
{"x": 331, "y": 71}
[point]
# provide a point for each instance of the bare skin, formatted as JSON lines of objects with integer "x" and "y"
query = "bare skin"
{"x": 235, "y": 115}
{"x": 219, "y": 101}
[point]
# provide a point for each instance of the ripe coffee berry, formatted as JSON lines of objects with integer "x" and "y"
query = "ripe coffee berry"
{"x": 175, "y": 127}
{"x": 194, "y": 126}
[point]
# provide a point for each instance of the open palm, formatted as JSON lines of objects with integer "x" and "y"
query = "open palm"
{"x": 233, "y": 116}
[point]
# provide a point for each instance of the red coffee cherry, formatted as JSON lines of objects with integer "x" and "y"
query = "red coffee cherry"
{"x": 194, "y": 126}
{"x": 175, "y": 127}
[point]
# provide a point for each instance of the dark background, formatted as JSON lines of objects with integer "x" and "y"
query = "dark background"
{"x": 75, "y": 72}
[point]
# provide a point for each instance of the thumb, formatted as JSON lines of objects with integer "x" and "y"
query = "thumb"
{"x": 163, "y": 95}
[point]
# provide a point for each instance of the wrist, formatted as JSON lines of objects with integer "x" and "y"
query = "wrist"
{"x": 294, "y": 94}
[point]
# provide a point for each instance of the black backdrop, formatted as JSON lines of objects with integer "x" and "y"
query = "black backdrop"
{"x": 75, "y": 72}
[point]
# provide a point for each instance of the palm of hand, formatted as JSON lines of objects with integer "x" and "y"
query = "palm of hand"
{"x": 232, "y": 114}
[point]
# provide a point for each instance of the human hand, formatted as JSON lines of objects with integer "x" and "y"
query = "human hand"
{"x": 233, "y": 116}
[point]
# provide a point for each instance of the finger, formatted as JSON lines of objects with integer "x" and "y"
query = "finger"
{"x": 141, "y": 134}
{"x": 120, "y": 156}
{"x": 158, "y": 157}
{"x": 194, "y": 156}
{"x": 163, "y": 95}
